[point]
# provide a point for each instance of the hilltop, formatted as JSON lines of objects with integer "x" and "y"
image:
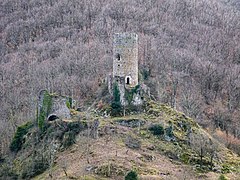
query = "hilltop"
{"x": 188, "y": 54}
{"x": 159, "y": 143}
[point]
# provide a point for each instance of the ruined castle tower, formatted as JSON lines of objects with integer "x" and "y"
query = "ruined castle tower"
{"x": 125, "y": 59}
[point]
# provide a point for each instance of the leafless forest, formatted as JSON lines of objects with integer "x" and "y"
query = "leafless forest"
{"x": 189, "y": 54}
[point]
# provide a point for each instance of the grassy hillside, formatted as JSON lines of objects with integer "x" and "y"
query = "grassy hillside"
{"x": 188, "y": 53}
{"x": 158, "y": 144}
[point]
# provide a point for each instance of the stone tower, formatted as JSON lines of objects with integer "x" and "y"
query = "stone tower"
{"x": 125, "y": 59}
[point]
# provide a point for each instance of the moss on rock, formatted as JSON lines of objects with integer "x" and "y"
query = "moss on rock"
{"x": 18, "y": 138}
{"x": 44, "y": 110}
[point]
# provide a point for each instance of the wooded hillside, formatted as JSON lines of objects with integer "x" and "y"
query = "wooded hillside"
{"x": 189, "y": 54}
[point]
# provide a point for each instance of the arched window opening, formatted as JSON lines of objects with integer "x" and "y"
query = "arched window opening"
{"x": 127, "y": 81}
{"x": 52, "y": 117}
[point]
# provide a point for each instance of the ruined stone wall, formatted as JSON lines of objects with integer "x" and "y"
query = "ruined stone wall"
{"x": 51, "y": 105}
{"x": 59, "y": 107}
{"x": 125, "y": 58}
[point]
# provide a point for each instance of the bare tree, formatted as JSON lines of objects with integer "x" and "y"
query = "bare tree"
{"x": 204, "y": 146}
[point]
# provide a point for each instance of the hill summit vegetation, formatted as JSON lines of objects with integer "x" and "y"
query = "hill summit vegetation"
{"x": 188, "y": 55}
{"x": 147, "y": 145}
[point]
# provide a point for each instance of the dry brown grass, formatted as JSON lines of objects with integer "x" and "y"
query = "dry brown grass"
{"x": 110, "y": 149}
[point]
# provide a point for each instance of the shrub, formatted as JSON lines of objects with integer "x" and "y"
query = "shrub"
{"x": 68, "y": 104}
{"x": 185, "y": 157}
{"x": 76, "y": 127}
{"x": 69, "y": 136}
{"x": 116, "y": 104}
{"x": 6, "y": 172}
{"x": 69, "y": 139}
{"x": 116, "y": 109}
{"x": 145, "y": 73}
{"x": 169, "y": 131}
{"x": 169, "y": 136}
{"x": 18, "y": 139}
{"x": 34, "y": 167}
{"x": 157, "y": 129}
{"x": 132, "y": 175}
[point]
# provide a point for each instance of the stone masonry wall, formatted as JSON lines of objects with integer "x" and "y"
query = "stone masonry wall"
{"x": 125, "y": 57}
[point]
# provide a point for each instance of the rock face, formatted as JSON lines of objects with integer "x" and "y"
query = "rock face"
{"x": 133, "y": 123}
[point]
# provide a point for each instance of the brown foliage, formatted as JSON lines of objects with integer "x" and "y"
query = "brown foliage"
{"x": 228, "y": 139}
{"x": 191, "y": 49}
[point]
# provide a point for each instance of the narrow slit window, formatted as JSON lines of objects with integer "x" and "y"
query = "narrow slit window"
{"x": 118, "y": 57}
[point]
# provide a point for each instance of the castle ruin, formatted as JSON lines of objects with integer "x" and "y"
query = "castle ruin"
{"x": 125, "y": 59}
{"x": 52, "y": 107}
{"x": 125, "y": 67}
